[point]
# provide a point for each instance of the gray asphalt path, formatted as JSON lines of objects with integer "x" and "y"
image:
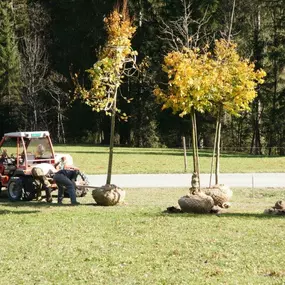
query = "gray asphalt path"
{"x": 251, "y": 180}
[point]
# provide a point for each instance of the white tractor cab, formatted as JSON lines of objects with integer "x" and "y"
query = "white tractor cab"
{"x": 20, "y": 152}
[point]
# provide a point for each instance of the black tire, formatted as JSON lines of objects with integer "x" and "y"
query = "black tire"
{"x": 29, "y": 192}
{"x": 15, "y": 189}
{"x": 83, "y": 180}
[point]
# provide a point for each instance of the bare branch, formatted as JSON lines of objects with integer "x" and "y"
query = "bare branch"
{"x": 177, "y": 33}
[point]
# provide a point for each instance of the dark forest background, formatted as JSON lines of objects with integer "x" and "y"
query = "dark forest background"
{"x": 43, "y": 42}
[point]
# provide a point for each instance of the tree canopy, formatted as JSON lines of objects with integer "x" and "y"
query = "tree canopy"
{"x": 75, "y": 31}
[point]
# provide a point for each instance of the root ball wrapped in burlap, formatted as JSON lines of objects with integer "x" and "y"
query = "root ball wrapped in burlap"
{"x": 277, "y": 209}
{"x": 280, "y": 205}
{"x": 108, "y": 195}
{"x": 221, "y": 195}
{"x": 199, "y": 203}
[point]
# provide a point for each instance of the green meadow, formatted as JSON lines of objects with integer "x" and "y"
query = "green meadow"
{"x": 139, "y": 243}
{"x": 94, "y": 160}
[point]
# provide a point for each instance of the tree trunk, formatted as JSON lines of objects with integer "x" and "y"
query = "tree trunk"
{"x": 195, "y": 183}
{"x": 255, "y": 147}
{"x": 60, "y": 126}
{"x": 217, "y": 169}
{"x": 214, "y": 153}
{"x": 273, "y": 126}
{"x": 217, "y": 146}
{"x": 35, "y": 119}
{"x": 112, "y": 135}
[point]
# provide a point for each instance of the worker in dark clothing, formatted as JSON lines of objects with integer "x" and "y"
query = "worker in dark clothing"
{"x": 66, "y": 178}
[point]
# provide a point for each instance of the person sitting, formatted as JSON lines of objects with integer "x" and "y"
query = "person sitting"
{"x": 40, "y": 151}
{"x": 4, "y": 155}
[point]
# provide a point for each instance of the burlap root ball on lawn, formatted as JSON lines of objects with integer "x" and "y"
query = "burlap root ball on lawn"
{"x": 108, "y": 195}
{"x": 199, "y": 203}
{"x": 277, "y": 209}
{"x": 221, "y": 195}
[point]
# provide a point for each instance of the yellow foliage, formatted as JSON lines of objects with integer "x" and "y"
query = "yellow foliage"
{"x": 189, "y": 81}
{"x": 107, "y": 73}
{"x": 208, "y": 81}
{"x": 235, "y": 79}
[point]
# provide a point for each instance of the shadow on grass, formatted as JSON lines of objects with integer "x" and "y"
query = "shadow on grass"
{"x": 30, "y": 204}
{"x": 224, "y": 215}
{"x": 35, "y": 204}
{"x": 250, "y": 215}
{"x": 7, "y": 212}
{"x": 4, "y": 201}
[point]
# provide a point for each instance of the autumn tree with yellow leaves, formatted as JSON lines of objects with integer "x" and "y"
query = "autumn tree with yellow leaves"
{"x": 234, "y": 82}
{"x": 201, "y": 81}
{"x": 115, "y": 61}
{"x": 189, "y": 86}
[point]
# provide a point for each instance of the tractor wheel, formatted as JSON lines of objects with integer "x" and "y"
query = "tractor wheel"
{"x": 15, "y": 189}
{"x": 29, "y": 188}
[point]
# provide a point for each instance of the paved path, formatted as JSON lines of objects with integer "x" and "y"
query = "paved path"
{"x": 255, "y": 180}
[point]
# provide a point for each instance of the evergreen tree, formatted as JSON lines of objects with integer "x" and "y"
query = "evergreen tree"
{"x": 274, "y": 121}
{"x": 20, "y": 16}
{"x": 10, "y": 82}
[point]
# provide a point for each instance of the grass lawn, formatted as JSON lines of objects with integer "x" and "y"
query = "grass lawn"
{"x": 137, "y": 243}
{"x": 94, "y": 160}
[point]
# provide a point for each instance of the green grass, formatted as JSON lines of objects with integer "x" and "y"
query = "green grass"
{"x": 138, "y": 243}
{"x": 94, "y": 160}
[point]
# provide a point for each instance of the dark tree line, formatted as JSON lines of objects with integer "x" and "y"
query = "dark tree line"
{"x": 43, "y": 42}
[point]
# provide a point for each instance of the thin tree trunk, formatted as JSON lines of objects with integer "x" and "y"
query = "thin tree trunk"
{"x": 58, "y": 121}
{"x": 60, "y": 126}
{"x": 255, "y": 147}
{"x": 193, "y": 142}
{"x": 214, "y": 153}
{"x": 112, "y": 135}
{"x": 256, "y": 110}
{"x": 62, "y": 129}
{"x": 218, "y": 143}
{"x": 35, "y": 119}
{"x": 197, "y": 150}
{"x": 272, "y": 129}
{"x": 195, "y": 183}
{"x": 232, "y": 20}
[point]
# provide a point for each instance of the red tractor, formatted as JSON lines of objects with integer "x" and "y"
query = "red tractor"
{"x": 20, "y": 152}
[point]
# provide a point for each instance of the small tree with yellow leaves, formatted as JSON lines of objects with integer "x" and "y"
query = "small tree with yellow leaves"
{"x": 234, "y": 87}
{"x": 199, "y": 81}
{"x": 189, "y": 83}
{"x": 115, "y": 61}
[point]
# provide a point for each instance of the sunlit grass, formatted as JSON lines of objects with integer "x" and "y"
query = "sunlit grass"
{"x": 94, "y": 160}
{"x": 137, "y": 243}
